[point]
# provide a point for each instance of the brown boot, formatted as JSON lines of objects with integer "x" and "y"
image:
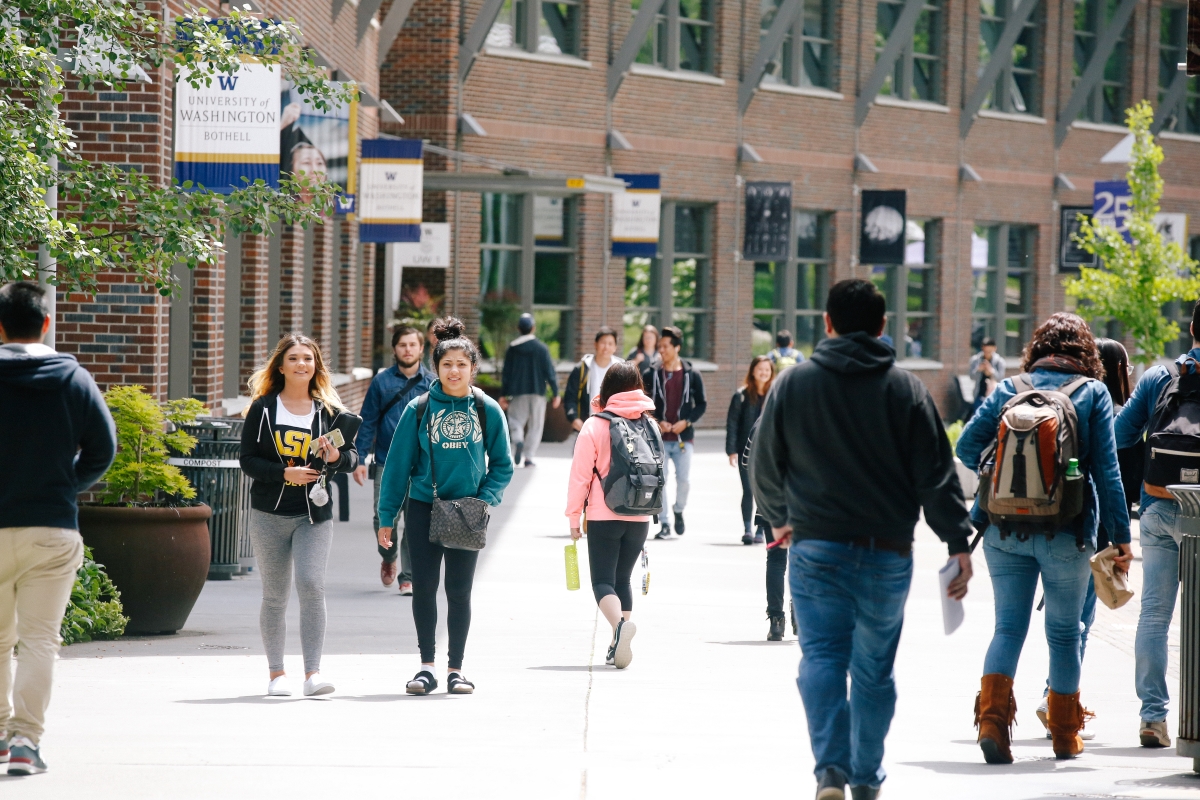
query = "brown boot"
{"x": 995, "y": 713}
{"x": 1066, "y": 720}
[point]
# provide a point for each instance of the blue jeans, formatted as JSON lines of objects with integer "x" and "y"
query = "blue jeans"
{"x": 1086, "y": 618}
{"x": 849, "y": 605}
{"x": 679, "y": 454}
{"x": 1014, "y": 566}
{"x": 1160, "y": 585}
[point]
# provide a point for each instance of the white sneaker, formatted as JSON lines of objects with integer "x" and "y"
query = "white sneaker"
{"x": 622, "y": 652}
{"x": 279, "y": 687}
{"x": 1043, "y": 715}
{"x": 315, "y": 687}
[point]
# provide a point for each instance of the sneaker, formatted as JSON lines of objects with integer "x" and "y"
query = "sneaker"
{"x": 678, "y": 524}
{"x": 864, "y": 792}
{"x": 1043, "y": 715}
{"x": 776, "y": 632}
{"x": 315, "y": 687}
{"x": 1154, "y": 734}
{"x": 406, "y": 588}
{"x": 831, "y": 785}
{"x": 25, "y": 757}
{"x": 279, "y": 687}
{"x": 664, "y": 532}
{"x": 4, "y": 748}
{"x": 758, "y": 536}
{"x": 747, "y": 538}
{"x": 529, "y": 463}
{"x": 622, "y": 650}
{"x": 387, "y": 572}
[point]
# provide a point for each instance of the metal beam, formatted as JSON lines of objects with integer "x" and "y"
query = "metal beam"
{"x": 391, "y": 26}
{"x": 1095, "y": 70}
{"x": 785, "y": 17}
{"x": 366, "y": 11}
{"x": 1170, "y": 102}
{"x": 633, "y": 43}
{"x": 477, "y": 36}
{"x": 1001, "y": 57}
{"x": 335, "y": 9}
{"x": 900, "y": 37}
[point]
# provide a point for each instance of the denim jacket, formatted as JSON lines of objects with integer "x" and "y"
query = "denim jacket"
{"x": 1097, "y": 450}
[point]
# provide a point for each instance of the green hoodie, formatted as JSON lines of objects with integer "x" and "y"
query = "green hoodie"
{"x": 461, "y": 470}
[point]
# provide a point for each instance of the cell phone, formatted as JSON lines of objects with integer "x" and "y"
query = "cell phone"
{"x": 335, "y": 437}
{"x": 774, "y": 544}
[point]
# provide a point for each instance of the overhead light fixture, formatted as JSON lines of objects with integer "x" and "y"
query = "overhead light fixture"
{"x": 469, "y": 126}
{"x": 967, "y": 173}
{"x": 617, "y": 141}
{"x": 864, "y": 164}
{"x": 746, "y": 152}
{"x": 1061, "y": 181}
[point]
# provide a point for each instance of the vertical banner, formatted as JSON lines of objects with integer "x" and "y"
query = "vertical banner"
{"x": 881, "y": 239}
{"x": 227, "y": 134}
{"x": 1111, "y": 206}
{"x": 1070, "y": 255}
{"x": 389, "y": 191}
{"x": 768, "y": 221}
{"x": 320, "y": 142}
{"x": 636, "y": 214}
{"x": 1193, "y": 38}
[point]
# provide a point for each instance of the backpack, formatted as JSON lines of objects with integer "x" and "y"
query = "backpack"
{"x": 1023, "y": 484}
{"x": 1173, "y": 443}
{"x": 634, "y": 485}
{"x": 782, "y": 362}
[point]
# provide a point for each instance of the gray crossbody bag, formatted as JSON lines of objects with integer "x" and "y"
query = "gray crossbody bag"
{"x": 458, "y": 524}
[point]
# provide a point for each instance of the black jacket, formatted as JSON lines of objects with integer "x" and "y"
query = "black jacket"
{"x": 528, "y": 368}
{"x": 850, "y": 445}
{"x": 261, "y": 460}
{"x": 576, "y": 400}
{"x": 694, "y": 403}
{"x": 739, "y": 421}
{"x": 58, "y": 423}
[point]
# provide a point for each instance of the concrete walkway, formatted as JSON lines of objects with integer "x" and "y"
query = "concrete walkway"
{"x": 708, "y": 709}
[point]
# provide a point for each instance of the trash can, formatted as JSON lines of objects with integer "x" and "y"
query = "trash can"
{"x": 216, "y": 473}
{"x": 1187, "y": 743}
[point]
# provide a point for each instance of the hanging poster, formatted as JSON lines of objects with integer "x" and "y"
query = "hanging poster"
{"x": 1070, "y": 255}
{"x": 433, "y": 249}
{"x": 389, "y": 197}
{"x": 768, "y": 221}
{"x": 1112, "y": 206}
{"x": 881, "y": 239}
{"x": 636, "y": 216}
{"x": 227, "y": 133}
{"x": 548, "y": 224}
{"x": 1173, "y": 228}
{"x": 320, "y": 142}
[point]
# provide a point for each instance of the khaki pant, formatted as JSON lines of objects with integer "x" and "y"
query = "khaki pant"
{"x": 526, "y": 409}
{"x": 37, "y": 571}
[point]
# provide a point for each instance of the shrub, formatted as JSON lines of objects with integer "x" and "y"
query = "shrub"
{"x": 146, "y": 432}
{"x": 94, "y": 611}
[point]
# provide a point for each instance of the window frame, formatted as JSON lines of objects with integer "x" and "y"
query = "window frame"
{"x": 791, "y": 69}
{"x": 525, "y": 15}
{"x": 666, "y": 38}
{"x": 1008, "y": 73}
{"x": 905, "y": 67}
{"x": 998, "y": 316}
{"x": 896, "y": 292}
{"x": 1178, "y": 120}
{"x": 788, "y": 313}
{"x": 1094, "y": 109}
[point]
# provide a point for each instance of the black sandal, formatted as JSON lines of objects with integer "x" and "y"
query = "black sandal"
{"x": 457, "y": 684}
{"x": 422, "y": 683}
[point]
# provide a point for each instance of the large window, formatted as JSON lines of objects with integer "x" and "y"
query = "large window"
{"x": 790, "y": 295}
{"x": 910, "y": 291}
{"x": 1181, "y": 311}
{"x": 806, "y": 57}
{"x": 918, "y": 71}
{"x": 1110, "y": 97}
{"x": 673, "y": 288}
{"x": 1016, "y": 89}
{"x": 1172, "y": 51}
{"x": 1002, "y": 292}
{"x": 683, "y": 37}
{"x": 537, "y": 27}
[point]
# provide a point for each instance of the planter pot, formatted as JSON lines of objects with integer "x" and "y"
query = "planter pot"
{"x": 157, "y": 558}
{"x": 557, "y": 429}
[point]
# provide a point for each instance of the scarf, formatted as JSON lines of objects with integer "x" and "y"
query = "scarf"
{"x": 1057, "y": 363}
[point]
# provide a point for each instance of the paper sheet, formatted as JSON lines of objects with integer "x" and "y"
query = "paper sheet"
{"x": 952, "y": 610}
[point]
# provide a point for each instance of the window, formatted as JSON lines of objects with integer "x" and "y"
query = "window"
{"x": 1109, "y": 98}
{"x": 682, "y": 38}
{"x": 1181, "y": 311}
{"x": 909, "y": 289}
{"x": 1172, "y": 51}
{"x": 918, "y": 71}
{"x": 537, "y": 27}
{"x": 791, "y": 294}
{"x": 678, "y": 296}
{"x": 810, "y": 63}
{"x": 1002, "y": 290}
{"x": 1016, "y": 89}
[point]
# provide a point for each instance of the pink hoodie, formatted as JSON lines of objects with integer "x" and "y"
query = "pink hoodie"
{"x": 593, "y": 449}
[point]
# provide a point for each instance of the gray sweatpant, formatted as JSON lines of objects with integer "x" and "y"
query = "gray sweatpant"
{"x": 523, "y": 409}
{"x": 278, "y": 542}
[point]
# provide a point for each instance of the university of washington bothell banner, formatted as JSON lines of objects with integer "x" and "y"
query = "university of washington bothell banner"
{"x": 227, "y": 133}
{"x": 636, "y": 216}
{"x": 389, "y": 190}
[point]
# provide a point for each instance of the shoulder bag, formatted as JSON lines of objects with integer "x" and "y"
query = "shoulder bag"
{"x": 459, "y": 524}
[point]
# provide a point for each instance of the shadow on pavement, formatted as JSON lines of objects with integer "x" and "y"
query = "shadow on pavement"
{"x": 1021, "y": 767}
{"x": 251, "y": 699}
{"x": 1189, "y": 780}
{"x": 571, "y": 668}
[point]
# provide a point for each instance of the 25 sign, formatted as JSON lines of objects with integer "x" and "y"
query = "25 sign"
{"x": 1112, "y": 206}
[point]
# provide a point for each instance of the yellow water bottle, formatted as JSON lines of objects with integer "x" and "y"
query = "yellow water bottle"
{"x": 572, "y": 556}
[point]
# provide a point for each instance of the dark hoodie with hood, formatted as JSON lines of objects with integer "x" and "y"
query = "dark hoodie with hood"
{"x": 850, "y": 446}
{"x": 57, "y": 420}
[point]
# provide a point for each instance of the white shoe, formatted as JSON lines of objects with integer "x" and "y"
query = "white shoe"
{"x": 279, "y": 687}
{"x": 622, "y": 652}
{"x": 315, "y": 687}
{"x": 1043, "y": 715}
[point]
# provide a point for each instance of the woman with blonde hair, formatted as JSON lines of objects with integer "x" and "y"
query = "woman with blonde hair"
{"x": 288, "y": 449}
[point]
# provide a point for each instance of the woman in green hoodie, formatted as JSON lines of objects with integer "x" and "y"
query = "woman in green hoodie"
{"x": 472, "y": 461}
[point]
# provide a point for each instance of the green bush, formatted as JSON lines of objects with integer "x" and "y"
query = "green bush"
{"x": 95, "y": 608}
{"x": 147, "y": 430}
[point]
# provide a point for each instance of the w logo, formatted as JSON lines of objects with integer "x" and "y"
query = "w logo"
{"x": 391, "y": 176}
{"x": 228, "y": 82}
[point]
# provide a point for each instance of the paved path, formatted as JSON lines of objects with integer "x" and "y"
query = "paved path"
{"x": 707, "y": 710}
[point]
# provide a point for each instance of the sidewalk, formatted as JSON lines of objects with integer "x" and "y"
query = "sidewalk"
{"x": 708, "y": 709}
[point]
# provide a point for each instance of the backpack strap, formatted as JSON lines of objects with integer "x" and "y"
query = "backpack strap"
{"x": 1022, "y": 383}
{"x": 1070, "y": 387}
{"x": 481, "y": 412}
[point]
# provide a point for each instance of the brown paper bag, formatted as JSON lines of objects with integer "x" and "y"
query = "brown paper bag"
{"x": 1111, "y": 587}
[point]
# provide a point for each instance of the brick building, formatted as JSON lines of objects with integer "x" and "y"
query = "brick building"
{"x": 831, "y": 95}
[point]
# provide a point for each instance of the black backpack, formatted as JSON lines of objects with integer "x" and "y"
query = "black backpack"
{"x": 1173, "y": 443}
{"x": 634, "y": 486}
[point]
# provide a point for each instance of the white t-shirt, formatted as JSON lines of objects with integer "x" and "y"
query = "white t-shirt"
{"x": 596, "y": 376}
{"x": 285, "y": 417}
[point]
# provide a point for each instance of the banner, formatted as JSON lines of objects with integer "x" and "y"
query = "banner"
{"x": 636, "y": 214}
{"x": 1070, "y": 255}
{"x": 1111, "y": 206}
{"x": 433, "y": 249}
{"x": 1173, "y": 228}
{"x": 389, "y": 196}
{"x": 548, "y": 225}
{"x": 227, "y": 134}
{"x": 320, "y": 142}
{"x": 768, "y": 221}
{"x": 881, "y": 239}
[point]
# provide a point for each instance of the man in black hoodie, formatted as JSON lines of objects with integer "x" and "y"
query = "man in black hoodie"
{"x": 528, "y": 372}
{"x": 59, "y": 421}
{"x": 849, "y": 449}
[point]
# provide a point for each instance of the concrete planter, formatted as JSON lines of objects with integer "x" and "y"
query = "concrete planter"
{"x": 969, "y": 481}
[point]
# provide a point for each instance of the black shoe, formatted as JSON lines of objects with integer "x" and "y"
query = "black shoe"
{"x": 679, "y": 523}
{"x": 747, "y": 538}
{"x": 529, "y": 463}
{"x": 776, "y": 634}
{"x": 664, "y": 532}
{"x": 517, "y": 453}
{"x": 792, "y": 614}
{"x": 864, "y": 792}
{"x": 831, "y": 785}
{"x": 758, "y": 536}
{"x": 422, "y": 683}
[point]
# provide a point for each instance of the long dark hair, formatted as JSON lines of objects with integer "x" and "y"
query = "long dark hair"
{"x": 623, "y": 376}
{"x": 752, "y": 385}
{"x": 1064, "y": 334}
{"x": 1116, "y": 369}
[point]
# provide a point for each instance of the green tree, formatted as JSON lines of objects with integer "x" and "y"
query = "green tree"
{"x": 144, "y": 441}
{"x": 1136, "y": 280}
{"x": 112, "y": 218}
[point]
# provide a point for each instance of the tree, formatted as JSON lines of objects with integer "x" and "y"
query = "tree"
{"x": 1136, "y": 280}
{"x": 114, "y": 219}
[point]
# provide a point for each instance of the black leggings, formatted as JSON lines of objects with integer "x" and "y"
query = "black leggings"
{"x": 613, "y": 548}
{"x": 747, "y": 496}
{"x": 426, "y": 572}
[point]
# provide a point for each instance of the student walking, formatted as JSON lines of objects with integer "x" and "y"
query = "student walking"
{"x": 1059, "y": 389}
{"x": 986, "y": 369}
{"x": 645, "y": 354}
{"x": 678, "y": 394}
{"x": 528, "y": 372}
{"x": 744, "y": 408}
{"x": 390, "y": 392}
{"x": 64, "y": 436}
{"x": 850, "y": 449}
{"x": 287, "y": 450}
{"x": 615, "y": 540}
{"x": 585, "y": 380}
{"x": 784, "y": 355}
{"x": 450, "y": 443}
